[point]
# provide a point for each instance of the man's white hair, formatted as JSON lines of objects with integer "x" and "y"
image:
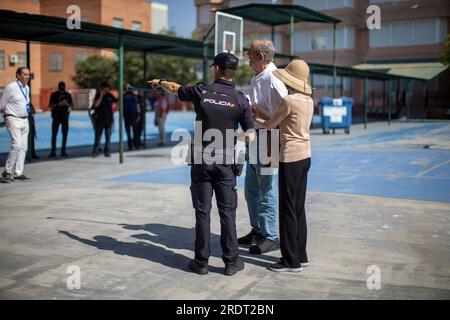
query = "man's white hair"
{"x": 266, "y": 48}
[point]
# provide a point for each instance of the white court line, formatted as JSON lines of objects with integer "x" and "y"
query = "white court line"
{"x": 432, "y": 168}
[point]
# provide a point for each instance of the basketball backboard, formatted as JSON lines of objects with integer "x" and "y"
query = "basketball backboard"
{"x": 229, "y": 34}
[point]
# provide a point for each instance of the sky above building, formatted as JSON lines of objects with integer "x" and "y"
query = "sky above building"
{"x": 182, "y": 16}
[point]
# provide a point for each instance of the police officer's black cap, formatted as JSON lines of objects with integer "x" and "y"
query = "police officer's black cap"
{"x": 225, "y": 60}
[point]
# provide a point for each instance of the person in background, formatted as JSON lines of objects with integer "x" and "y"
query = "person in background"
{"x": 142, "y": 102}
{"x": 104, "y": 118}
{"x": 60, "y": 105}
{"x": 15, "y": 106}
{"x": 131, "y": 114}
{"x": 161, "y": 111}
{"x": 32, "y": 135}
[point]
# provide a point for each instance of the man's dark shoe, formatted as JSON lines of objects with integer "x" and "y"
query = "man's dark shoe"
{"x": 52, "y": 155}
{"x": 265, "y": 246}
{"x": 197, "y": 267}
{"x": 22, "y": 177}
{"x": 107, "y": 154}
{"x": 64, "y": 154}
{"x": 35, "y": 157}
{"x": 232, "y": 268}
{"x": 251, "y": 238}
{"x": 3, "y": 180}
{"x": 7, "y": 176}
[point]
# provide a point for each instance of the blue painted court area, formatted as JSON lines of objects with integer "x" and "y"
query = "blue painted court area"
{"x": 81, "y": 132}
{"x": 417, "y": 174}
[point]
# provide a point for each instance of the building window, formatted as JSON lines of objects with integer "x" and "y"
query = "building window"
{"x": 2, "y": 59}
{"x": 204, "y": 15}
{"x": 325, "y": 4}
{"x": 319, "y": 39}
{"x": 136, "y": 25}
{"x": 80, "y": 56}
{"x": 322, "y": 39}
{"x": 21, "y": 59}
{"x": 56, "y": 62}
{"x": 408, "y": 33}
{"x": 117, "y": 22}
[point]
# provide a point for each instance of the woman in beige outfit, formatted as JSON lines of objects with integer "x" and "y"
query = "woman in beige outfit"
{"x": 293, "y": 117}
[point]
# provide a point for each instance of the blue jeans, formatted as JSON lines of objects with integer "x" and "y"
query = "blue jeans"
{"x": 262, "y": 201}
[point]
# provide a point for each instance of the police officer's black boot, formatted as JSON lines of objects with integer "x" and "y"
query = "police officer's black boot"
{"x": 197, "y": 267}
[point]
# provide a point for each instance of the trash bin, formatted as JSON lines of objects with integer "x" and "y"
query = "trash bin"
{"x": 336, "y": 114}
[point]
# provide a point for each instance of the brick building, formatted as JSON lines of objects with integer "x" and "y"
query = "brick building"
{"x": 53, "y": 63}
{"x": 412, "y": 31}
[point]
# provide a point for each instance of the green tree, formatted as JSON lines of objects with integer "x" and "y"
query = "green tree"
{"x": 94, "y": 70}
{"x": 445, "y": 59}
{"x": 243, "y": 75}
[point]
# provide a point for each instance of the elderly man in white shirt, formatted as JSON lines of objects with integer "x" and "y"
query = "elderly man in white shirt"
{"x": 266, "y": 92}
{"x": 15, "y": 106}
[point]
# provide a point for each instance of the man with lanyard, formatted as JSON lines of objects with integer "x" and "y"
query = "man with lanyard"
{"x": 104, "y": 117}
{"x": 15, "y": 106}
{"x": 60, "y": 104}
{"x": 219, "y": 107}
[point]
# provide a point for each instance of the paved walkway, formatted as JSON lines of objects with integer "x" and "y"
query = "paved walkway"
{"x": 377, "y": 197}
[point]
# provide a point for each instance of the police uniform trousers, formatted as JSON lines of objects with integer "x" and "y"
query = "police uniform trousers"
{"x": 206, "y": 178}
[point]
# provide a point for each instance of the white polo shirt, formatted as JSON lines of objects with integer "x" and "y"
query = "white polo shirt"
{"x": 13, "y": 100}
{"x": 267, "y": 91}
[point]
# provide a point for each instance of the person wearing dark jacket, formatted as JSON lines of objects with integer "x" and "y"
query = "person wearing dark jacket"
{"x": 60, "y": 105}
{"x": 131, "y": 114}
{"x": 104, "y": 118}
{"x": 219, "y": 107}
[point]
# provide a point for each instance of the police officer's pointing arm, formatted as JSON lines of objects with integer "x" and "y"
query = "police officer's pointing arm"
{"x": 167, "y": 86}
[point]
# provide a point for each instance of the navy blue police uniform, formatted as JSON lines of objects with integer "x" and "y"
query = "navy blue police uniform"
{"x": 218, "y": 106}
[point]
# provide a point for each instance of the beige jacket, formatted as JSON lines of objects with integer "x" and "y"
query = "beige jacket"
{"x": 293, "y": 116}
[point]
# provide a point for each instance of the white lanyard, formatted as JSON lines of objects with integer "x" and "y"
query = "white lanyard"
{"x": 25, "y": 94}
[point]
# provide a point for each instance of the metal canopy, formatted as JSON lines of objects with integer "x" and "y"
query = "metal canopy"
{"x": 420, "y": 71}
{"x": 274, "y": 14}
{"x": 53, "y": 30}
{"x": 353, "y": 72}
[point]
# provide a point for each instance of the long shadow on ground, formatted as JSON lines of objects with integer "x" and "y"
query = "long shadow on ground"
{"x": 164, "y": 238}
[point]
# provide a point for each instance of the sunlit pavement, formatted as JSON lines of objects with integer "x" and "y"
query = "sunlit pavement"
{"x": 377, "y": 197}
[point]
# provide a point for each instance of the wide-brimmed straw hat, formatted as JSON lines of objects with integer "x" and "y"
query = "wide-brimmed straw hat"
{"x": 295, "y": 75}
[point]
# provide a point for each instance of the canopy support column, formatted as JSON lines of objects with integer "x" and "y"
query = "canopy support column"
{"x": 292, "y": 34}
{"x": 144, "y": 109}
{"x": 205, "y": 54}
{"x": 424, "y": 108}
{"x": 407, "y": 100}
{"x": 389, "y": 101}
{"x": 334, "y": 60}
{"x": 365, "y": 102}
{"x": 30, "y": 135}
{"x": 120, "y": 100}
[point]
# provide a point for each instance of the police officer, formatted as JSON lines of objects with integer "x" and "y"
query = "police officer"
{"x": 217, "y": 106}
